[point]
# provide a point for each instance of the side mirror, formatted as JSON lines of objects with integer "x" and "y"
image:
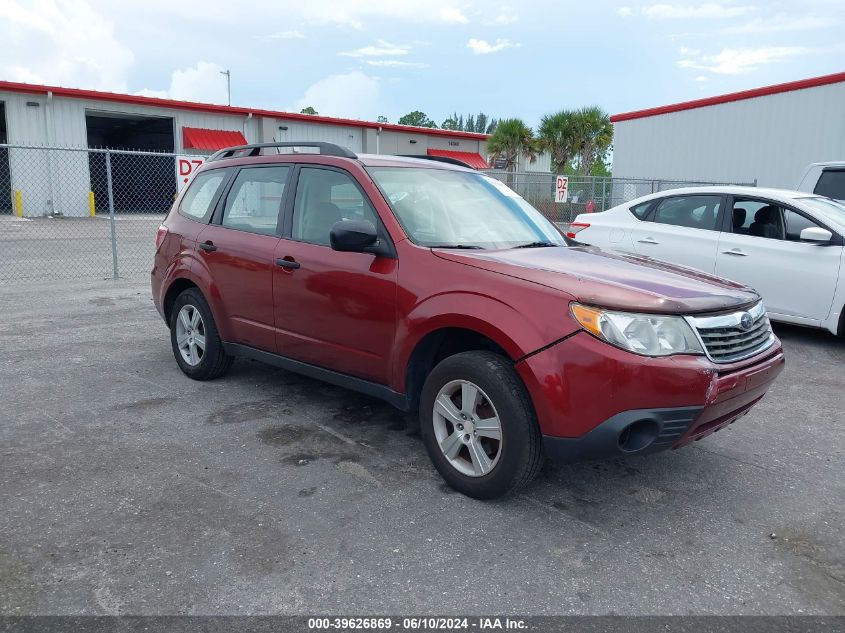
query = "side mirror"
{"x": 816, "y": 234}
{"x": 353, "y": 236}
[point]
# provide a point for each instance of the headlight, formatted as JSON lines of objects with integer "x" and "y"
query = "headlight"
{"x": 646, "y": 334}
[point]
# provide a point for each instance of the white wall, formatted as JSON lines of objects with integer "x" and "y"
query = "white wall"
{"x": 768, "y": 139}
{"x": 350, "y": 137}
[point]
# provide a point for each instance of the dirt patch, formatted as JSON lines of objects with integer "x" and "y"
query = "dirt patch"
{"x": 250, "y": 411}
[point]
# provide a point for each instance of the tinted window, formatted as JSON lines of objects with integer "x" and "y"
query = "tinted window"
{"x": 201, "y": 191}
{"x": 693, "y": 212}
{"x": 323, "y": 198}
{"x": 759, "y": 218}
{"x": 641, "y": 209}
{"x": 831, "y": 184}
{"x": 795, "y": 223}
{"x": 255, "y": 199}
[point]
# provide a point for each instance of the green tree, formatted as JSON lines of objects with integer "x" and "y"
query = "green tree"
{"x": 511, "y": 140}
{"x": 418, "y": 119}
{"x": 308, "y": 110}
{"x": 480, "y": 123}
{"x": 382, "y": 119}
{"x": 594, "y": 133}
{"x": 558, "y": 135}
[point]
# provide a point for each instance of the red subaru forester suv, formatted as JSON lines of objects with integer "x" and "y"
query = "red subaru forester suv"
{"x": 439, "y": 289}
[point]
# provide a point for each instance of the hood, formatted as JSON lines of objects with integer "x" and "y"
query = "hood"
{"x": 618, "y": 281}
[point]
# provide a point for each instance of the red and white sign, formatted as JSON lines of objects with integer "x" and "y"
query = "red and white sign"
{"x": 561, "y": 188}
{"x": 186, "y": 166}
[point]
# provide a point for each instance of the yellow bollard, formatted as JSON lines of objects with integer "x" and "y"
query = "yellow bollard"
{"x": 92, "y": 207}
{"x": 18, "y": 203}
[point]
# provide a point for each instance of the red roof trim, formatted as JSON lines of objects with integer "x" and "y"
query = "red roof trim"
{"x": 733, "y": 96}
{"x": 78, "y": 93}
{"x": 472, "y": 159}
{"x": 210, "y": 140}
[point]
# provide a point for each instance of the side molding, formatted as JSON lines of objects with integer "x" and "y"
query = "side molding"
{"x": 367, "y": 387}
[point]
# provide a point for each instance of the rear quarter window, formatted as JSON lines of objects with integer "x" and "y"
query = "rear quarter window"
{"x": 831, "y": 184}
{"x": 641, "y": 210}
{"x": 196, "y": 203}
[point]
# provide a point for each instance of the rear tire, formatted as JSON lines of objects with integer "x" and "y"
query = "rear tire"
{"x": 194, "y": 338}
{"x": 465, "y": 399}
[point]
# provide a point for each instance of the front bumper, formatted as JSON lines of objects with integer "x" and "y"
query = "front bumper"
{"x": 595, "y": 401}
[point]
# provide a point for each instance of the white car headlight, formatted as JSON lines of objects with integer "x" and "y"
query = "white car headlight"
{"x": 646, "y": 334}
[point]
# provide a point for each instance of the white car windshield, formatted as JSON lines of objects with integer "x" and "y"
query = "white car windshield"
{"x": 827, "y": 207}
{"x": 457, "y": 209}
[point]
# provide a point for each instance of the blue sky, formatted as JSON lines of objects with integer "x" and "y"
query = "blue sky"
{"x": 367, "y": 58}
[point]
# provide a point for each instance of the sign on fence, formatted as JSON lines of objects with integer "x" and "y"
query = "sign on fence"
{"x": 185, "y": 168}
{"x": 561, "y": 188}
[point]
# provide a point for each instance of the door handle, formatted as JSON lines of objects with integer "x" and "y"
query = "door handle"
{"x": 208, "y": 246}
{"x": 287, "y": 263}
{"x": 735, "y": 252}
{"x": 648, "y": 240}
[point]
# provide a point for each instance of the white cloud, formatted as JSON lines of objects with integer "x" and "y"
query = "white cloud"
{"x": 380, "y": 49}
{"x": 352, "y": 95}
{"x": 702, "y": 78}
{"x": 780, "y": 23}
{"x": 453, "y": 15}
{"x": 483, "y": 47}
{"x": 625, "y": 12}
{"x": 202, "y": 83}
{"x": 708, "y": 10}
{"x": 737, "y": 61}
{"x": 395, "y": 63}
{"x": 61, "y": 42}
{"x": 506, "y": 16}
{"x": 285, "y": 35}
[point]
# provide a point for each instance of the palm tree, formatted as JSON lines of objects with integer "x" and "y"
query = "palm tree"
{"x": 594, "y": 132}
{"x": 557, "y": 135}
{"x": 512, "y": 139}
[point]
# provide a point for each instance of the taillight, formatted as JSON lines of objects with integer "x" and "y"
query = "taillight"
{"x": 575, "y": 228}
{"x": 160, "y": 235}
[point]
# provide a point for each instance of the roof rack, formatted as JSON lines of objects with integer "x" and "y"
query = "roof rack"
{"x": 439, "y": 159}
{"x": 254, "y": 149}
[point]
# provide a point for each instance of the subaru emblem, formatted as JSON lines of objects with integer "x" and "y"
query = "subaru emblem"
{"x": 746, "y": 321}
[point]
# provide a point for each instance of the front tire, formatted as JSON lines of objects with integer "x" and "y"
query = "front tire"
{"x": 194, "y": 338}
{"x": 479, "y": 426}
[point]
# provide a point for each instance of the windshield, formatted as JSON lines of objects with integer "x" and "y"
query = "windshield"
{"x": 457, "y": 209}
{"x": 830, "y": 209}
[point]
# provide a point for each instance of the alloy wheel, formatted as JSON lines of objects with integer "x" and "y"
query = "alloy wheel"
{"x": 467, "y": 428}
{"x": 190, "y": 335}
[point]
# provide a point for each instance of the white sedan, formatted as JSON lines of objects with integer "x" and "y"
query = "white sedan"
{"x": 788, "y": 245}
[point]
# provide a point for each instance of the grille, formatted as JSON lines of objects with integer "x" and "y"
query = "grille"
{"x": 726, "y": 339}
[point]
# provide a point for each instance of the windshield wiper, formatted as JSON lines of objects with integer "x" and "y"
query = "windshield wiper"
{"x": 464, "y": 246}
{"x": 537, "y": 245}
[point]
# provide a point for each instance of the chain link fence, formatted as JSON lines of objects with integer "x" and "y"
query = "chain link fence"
{"x": 586, "y": 194}
{"x": 81, "y": 213}
{"x": 74, "y": 213}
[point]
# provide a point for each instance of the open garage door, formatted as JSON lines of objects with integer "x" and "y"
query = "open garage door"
{"x": 142, "y": 183}
{"x": 5, "y": 173}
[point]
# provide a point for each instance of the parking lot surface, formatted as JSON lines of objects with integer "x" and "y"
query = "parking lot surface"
{"x": 127, "y": 488}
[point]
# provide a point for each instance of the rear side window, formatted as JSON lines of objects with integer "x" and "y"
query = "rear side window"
{"x": 197, "y": 200}
{"x": 255, "y": 199}
{"x": 831, "y": 184}
{"x": 641, "y": 210}
{"x": 692, "y": 212}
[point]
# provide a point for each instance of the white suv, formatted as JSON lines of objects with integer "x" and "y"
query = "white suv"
{"x": 788, "y": 245}
{"x": 824, "y": 179}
